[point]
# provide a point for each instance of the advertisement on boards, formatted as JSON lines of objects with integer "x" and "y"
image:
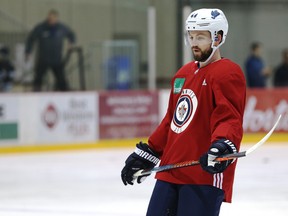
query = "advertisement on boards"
{"x": 128, "y": 114}
{"x": 69, "y": 117}
{"x": 263, "y": 108}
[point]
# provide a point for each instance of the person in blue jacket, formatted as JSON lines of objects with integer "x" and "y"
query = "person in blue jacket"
{"x": 256, "y": 72}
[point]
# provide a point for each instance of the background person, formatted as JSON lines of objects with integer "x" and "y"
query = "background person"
{"x": 256, "y": 72}
{"x": 281, "y": 72}
{"x": 7, "y": 70}
{"x": 50, "y": 36}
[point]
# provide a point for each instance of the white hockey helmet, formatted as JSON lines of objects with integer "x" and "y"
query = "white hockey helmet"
{"x": 212, "y": 20}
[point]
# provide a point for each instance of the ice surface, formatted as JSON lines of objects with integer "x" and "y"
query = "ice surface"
{"x": 86, "y": 183}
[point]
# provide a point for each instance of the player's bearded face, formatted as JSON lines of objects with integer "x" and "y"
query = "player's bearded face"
{"x": 200, "y": 42}
{"x": 200, "y": 54}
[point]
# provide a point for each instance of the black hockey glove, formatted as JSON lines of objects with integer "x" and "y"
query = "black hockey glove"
{"x": 217, "y": 149}
{"x": 142, "y": 158}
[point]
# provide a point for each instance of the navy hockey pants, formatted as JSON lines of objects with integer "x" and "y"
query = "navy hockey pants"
{"x": 185, "y": 200}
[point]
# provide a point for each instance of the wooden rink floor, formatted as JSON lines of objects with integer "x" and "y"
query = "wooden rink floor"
{"x": 87, "y": 182}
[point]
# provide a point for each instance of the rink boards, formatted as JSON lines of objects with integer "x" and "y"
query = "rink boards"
{"x": 81, "y": 120}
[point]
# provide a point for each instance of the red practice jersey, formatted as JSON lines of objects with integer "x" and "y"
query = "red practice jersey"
{"x": 206, "y": 104}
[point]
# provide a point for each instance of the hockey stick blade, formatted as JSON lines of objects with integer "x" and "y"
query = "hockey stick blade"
{"x": 223, "y": 158}
{"x": 253, "y": 148}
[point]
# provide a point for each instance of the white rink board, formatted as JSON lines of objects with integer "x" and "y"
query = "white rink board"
{"x": 50, "y": 118}
{"x": 87, "y": 183}
{"x": 67, "y": 118}
{"x": 9, "y": 114}
{"x": 9, "y": 108}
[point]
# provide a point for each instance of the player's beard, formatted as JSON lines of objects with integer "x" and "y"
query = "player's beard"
{"x": 203, "y": 56}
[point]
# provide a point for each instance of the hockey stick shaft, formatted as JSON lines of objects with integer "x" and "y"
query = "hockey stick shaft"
{"x": 186, "y": 164}
{"x": 222, "y": 158}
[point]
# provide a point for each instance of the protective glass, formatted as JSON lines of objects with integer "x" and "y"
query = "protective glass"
{"x": 197, "y": 39}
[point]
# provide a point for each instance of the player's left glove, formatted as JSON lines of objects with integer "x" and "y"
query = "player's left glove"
{"x": 217, "y": 149}
{"x": 142, "y": 158}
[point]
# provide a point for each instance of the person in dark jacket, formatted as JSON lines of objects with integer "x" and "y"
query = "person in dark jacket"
{"x": 7, "y": 70}
{"x": 256, "y": 72}
{"x": 281, "y": 73}
{"x": 50, "y": 36}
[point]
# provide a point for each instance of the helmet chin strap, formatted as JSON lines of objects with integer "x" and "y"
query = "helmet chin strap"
{"x": 212, "y": 53}
{"x": 209, "y": 58}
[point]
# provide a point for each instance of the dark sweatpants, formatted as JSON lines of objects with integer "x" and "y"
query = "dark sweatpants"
{"x": 185, "y": 200}
{"x": 58, "y": 72}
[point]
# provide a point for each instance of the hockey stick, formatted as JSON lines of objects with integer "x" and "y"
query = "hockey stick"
{"x": 222, "y": 158}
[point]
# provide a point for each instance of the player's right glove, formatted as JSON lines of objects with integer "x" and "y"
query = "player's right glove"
{"x": 142, "y": 158}
{"x": 217, "y": 149}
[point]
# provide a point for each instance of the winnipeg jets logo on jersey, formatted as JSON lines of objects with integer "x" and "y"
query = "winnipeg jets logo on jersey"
{"x": 184, "y": 111}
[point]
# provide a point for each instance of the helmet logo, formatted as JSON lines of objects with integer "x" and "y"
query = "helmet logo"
{"x": 194, "y": 15}
{"x": 214, "y": 14}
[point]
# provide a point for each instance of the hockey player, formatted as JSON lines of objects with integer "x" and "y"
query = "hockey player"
{"x": 203, "y": 120}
